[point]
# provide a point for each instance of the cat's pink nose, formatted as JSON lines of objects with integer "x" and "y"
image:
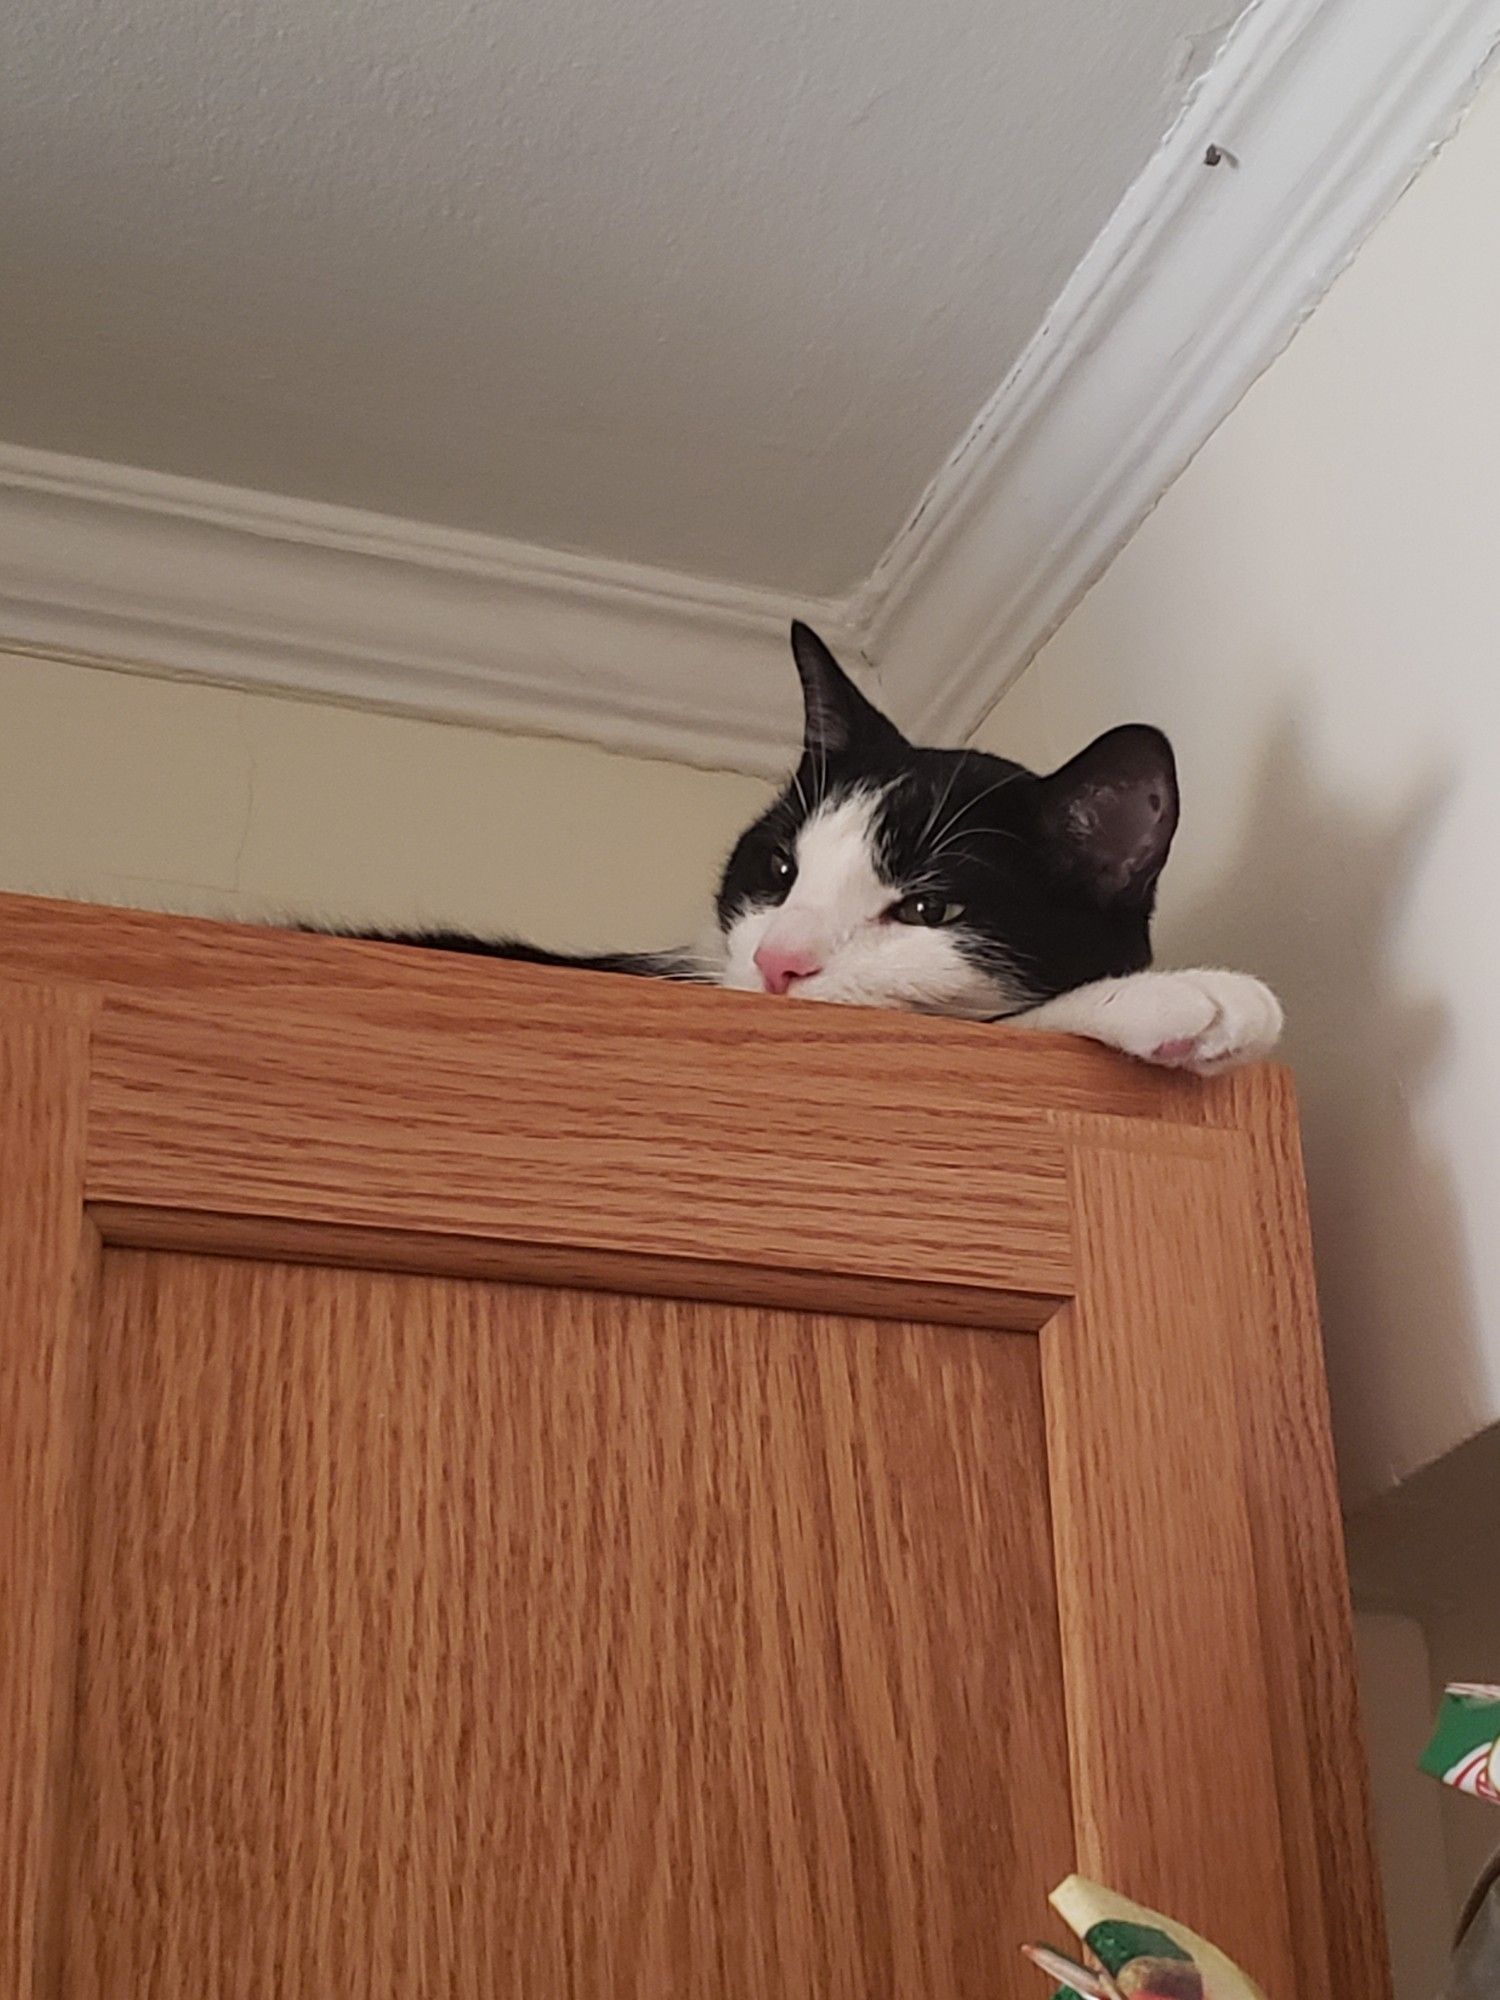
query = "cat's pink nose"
{"x": 778, "y": 965}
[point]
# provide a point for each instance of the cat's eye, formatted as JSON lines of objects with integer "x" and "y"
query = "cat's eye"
{"x": 926, "y": 908}
{"x": 781, "y": 870}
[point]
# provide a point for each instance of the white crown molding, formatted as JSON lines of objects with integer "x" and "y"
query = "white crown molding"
{"x": 163, "y": 575}
{"x": 1326, "y": 110}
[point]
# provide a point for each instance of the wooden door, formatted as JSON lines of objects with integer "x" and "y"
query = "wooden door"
{"x": 528, "y": 1484}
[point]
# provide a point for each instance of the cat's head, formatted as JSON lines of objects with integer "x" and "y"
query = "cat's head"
{"x": 946, "y": 881}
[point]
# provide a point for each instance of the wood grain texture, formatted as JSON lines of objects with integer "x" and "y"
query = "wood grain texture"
{"x": 1292, "y": 1496}
{"x": 46, "y": 1269}
{"x": 568, "y": 1130}
{"x": 277, "y": 1096}
{"x": 1170, "y": 1725}
{"x": 454, "y": 1256}
{"x": 444, "y": 1638}
{"x": 139, "y": 952}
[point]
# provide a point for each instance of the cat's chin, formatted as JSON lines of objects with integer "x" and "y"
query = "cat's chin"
{"x": 897, "y": 968}
{"x": 987, "y": 1005}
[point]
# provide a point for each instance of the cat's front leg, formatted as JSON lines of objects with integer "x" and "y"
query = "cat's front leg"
{"x": 1204, "y": 1021}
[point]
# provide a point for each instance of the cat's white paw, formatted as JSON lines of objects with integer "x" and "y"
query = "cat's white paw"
{"x": 1203, "y": 1021}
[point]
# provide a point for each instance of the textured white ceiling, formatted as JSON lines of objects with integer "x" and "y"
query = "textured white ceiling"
{"x": 711, "y": 284}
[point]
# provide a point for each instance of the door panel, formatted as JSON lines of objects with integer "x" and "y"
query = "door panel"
{"x": 448, "y": 1637}
{"x": 443, "y": 1633}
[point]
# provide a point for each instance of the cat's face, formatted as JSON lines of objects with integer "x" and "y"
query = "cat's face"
{"x": 945, "y": 881}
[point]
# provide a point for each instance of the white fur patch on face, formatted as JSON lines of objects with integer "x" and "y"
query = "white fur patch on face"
{"x": 836, "y": 915}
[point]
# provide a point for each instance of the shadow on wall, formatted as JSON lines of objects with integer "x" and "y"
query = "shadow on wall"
{"x": 1310, "y": 901}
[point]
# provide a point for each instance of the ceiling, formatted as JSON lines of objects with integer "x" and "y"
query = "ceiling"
{"x": 699, "y": 284}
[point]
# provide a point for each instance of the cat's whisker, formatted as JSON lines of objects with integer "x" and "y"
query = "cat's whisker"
{"x": 940, "y": 801}
{"x": 943, "y": 839}
{"x": 962, "y": 812}
{"x": 957, "y": 840}
{"x": 936, "y": 825}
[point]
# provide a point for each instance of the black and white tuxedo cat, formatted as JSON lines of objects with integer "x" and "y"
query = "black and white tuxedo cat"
{"x": 954, "y": 882}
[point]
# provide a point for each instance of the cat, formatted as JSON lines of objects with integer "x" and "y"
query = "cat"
{"x": 954, "y": 882}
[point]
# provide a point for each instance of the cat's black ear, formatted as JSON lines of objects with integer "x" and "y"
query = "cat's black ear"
{"x": 837, "y": 718}
{"x": 1108, "y": 816}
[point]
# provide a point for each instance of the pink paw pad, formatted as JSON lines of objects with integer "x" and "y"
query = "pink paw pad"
{"x": 1178, "y": 1051}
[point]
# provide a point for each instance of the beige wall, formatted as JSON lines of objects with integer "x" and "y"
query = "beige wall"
{"x": 126, "y": 789}
{"x": 1312, "y": 613}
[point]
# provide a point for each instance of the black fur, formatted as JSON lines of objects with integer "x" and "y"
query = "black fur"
{"x": 640, "y": 964}
{"x": 1056, "y": 874}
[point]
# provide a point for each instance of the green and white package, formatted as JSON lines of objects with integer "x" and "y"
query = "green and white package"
{"x": 1465, "y": 1747}
{"x": 1142, "y": 1955}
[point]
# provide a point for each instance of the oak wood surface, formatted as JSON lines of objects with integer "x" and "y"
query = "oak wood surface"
{"x": 1161, "y": 1646}
{"x": 142, "y": 952}
{"x": 46, "y": 1269}
{"x": 449, "y": 1638}
{"x": 145, "y": 1227}
{"x": 390, "y": 1115}
{"x": 1306, "y": 1619}
{"x": 260, "y": 1095}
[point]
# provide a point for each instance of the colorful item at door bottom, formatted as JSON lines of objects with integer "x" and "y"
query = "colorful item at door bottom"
{"x": 1141, "y": 1955}
{"x": 1465, "y": 1747}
